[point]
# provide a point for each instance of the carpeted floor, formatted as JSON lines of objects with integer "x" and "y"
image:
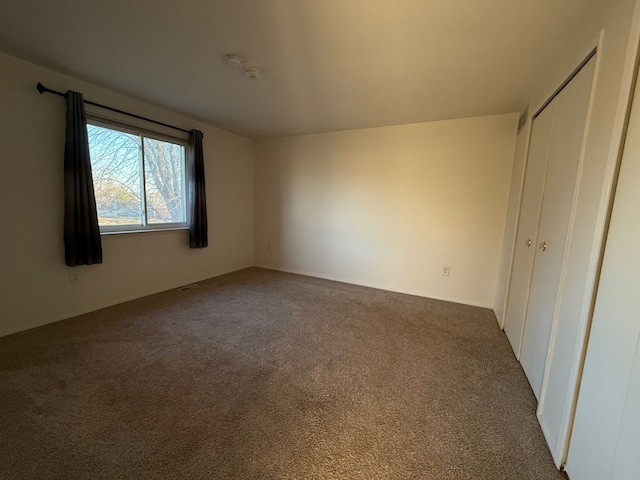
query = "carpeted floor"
{"x": 267, "y": 375}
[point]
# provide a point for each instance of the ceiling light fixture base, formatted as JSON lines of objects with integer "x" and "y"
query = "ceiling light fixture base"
{"x": 253, "y": 73}
{"x": 235, "y": 60}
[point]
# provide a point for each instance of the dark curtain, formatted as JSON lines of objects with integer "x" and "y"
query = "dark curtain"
{"x": 82, "y": 245}
{"x": 198, "y": 228}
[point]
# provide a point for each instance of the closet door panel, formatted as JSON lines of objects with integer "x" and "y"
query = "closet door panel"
{"x": 524, "y": 251}
{"x": 558, "y": 391}
{"x": 570, "y": 111}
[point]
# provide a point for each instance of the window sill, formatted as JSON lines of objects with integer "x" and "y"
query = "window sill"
{"x": 142, "y": 231}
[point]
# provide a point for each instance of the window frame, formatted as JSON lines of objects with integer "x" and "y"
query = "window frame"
{"x": 143, "y": 133}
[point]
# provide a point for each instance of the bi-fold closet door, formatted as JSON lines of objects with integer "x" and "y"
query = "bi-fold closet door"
{"x": 527, "y": 233}
{"x": 538, "y": 279}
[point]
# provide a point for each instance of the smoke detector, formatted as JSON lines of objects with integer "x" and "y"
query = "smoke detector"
{"x": 253, "y": 73}
{"x": 237, "y": 62}
{"x": 234, "y": 60}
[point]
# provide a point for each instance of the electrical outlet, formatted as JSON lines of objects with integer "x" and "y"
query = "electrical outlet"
{"x": 268, "y": 247}
{"x": 445, "y": 271}
{"x": 74, "y": 276}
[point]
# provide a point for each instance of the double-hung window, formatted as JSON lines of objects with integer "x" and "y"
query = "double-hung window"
{"x": 138, "y": 178}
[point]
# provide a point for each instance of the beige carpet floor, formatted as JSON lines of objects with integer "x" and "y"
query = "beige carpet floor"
{"x": 267, "y": 375}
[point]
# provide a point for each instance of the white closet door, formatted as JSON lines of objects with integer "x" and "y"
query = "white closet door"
{"x": 525, "y": 248}
{"x": 570, "y": 108}
{"x": 560, "y": 379}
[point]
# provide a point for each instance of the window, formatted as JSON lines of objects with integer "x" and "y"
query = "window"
{"x": 138, "y": 178}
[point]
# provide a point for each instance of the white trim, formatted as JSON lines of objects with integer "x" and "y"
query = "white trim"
{"x": 150, "y": 227}
{"x": 586, "y": 55}
{"x": 173, "y": 228}
{"x": 108, "y": 122}
{"x": 498, "y": 317}
{"x": 568, "y": 79}
{"x": 378, "y": 286}
{"x": 528, "y": 129}
{"x": 142, "y": 134}
{"x": 100, "y": 306}
{"x": 537, "y": 231}
{"x": 136, "y": 123}
{"x": 550, "y": 442}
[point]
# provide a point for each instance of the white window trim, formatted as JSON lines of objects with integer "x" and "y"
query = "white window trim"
{"x": 105, "y": 122}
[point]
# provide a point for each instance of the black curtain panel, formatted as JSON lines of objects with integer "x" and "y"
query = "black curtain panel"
{"x": 82, "y": 244}
{"x": 198, "y": 229}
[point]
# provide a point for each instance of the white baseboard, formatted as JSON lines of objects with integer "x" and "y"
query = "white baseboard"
{"x": 111, "y": 303}
{"x": 379, "y": 287}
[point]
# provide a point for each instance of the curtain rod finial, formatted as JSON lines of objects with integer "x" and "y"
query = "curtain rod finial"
{"x": 41, "y": 88}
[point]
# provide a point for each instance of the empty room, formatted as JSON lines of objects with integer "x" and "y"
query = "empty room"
{"x": 320, "y": 239}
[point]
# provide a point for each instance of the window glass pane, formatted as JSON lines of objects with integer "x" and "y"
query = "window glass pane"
{"x": 164, "y": 177}
{"x": 116, "y": 164}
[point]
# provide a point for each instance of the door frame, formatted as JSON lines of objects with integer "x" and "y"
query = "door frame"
{"x": 528, "y": 128}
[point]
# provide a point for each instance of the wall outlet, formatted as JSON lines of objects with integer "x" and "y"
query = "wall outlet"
{"x": 268, "y": 247}
{"x": 74, "y": 276}
{"x": 445, "y": 271}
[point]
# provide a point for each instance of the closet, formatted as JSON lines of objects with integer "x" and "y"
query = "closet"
{"x": 569, "y": 109}
{"x": 542, "y": 294}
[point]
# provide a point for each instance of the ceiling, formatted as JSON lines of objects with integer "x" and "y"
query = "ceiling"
{"x": 328, "y": 64}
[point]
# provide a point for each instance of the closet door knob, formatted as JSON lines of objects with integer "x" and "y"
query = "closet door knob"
{"x": 543, "y": 246}
{"x": 528, "y": 243}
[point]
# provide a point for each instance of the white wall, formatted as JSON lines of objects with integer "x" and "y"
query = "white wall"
{"x": 33, "y": 277}
{"x": 389, "y": 207}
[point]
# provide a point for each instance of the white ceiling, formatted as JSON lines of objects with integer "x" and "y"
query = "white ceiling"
{"x": 328, "y": 64}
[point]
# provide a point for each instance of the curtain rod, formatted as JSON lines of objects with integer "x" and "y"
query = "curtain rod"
{"x": 42, "y": 89}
